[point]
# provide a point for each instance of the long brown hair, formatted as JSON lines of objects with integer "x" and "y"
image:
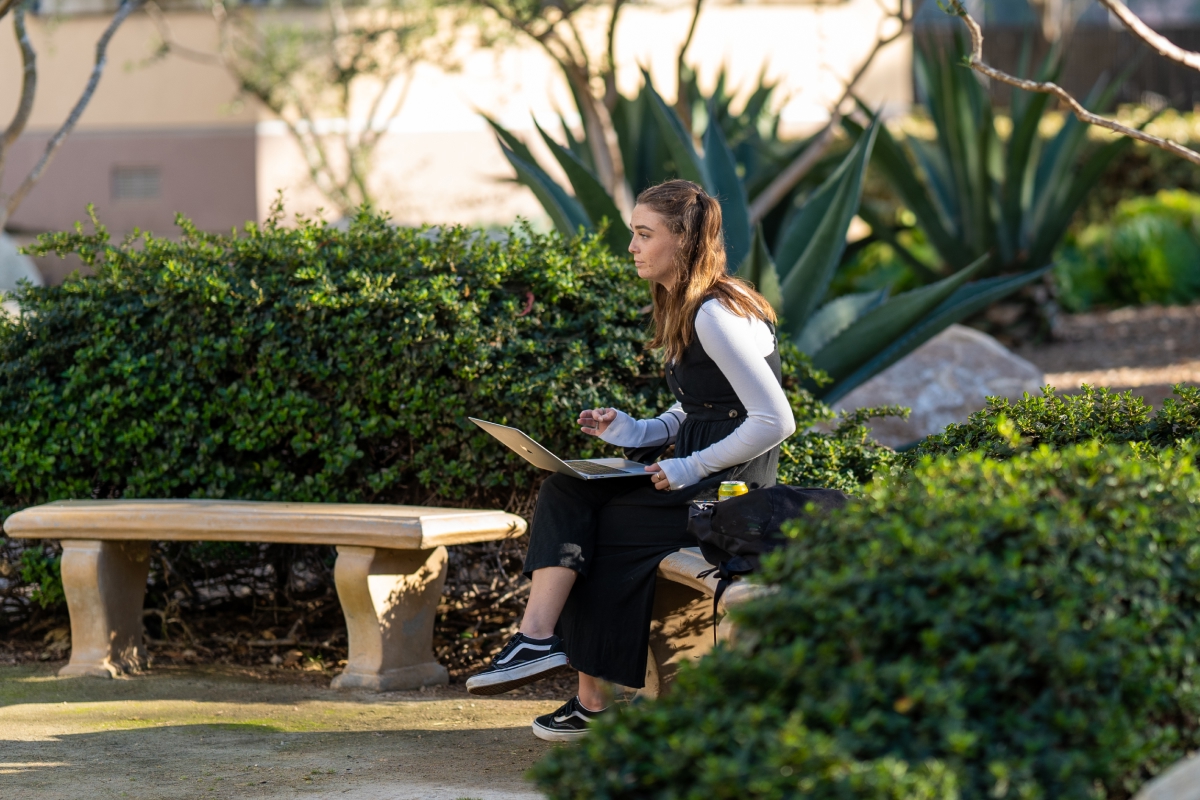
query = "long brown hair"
{"x": 695, "y": 220}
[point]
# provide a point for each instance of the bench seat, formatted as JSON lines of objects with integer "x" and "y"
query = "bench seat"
{"x": 682, "y": 623}
{"x": 390, "y": 571}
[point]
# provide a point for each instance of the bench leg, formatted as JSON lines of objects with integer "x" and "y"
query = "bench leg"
{"x": 105, "y": 585}
{"x": 680, "y": 630}
{"x": 390, "y": 599}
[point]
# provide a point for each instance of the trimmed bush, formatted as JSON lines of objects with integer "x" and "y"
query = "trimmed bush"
{"x": 975, "y": 628}
{"x": 1004, "y": 427}
{"x": 309, "y": 363}
{"x": 1148, "y": 251}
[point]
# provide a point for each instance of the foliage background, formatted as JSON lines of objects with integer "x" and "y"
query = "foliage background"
{"x": 309, "y": 363}
{"x": 973, "y": 628}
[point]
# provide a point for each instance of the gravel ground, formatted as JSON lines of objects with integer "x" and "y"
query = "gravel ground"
{"x": 1147, "y": 350}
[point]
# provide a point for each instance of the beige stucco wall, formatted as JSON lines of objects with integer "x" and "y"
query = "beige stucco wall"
{"x": 438, "y": 162}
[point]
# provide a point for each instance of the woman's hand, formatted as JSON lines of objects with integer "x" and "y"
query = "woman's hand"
{"x": 659, "y": 478}
{"x": 595, "y": 421}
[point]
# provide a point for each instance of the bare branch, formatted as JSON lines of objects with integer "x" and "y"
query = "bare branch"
{"x": 786, "y": 180}
{"x": 1165, "y": 48}
{"x": 975, "y": 60}
{"x": 610, "y": 67}
{"x": 6, "y": 6}
{"x": 681, "y": 105}
{"x": 782, "y": 184}
{"x": 155, "y": 13}
{"x": 126, "y": 8}
{"x": 28, "y": 86}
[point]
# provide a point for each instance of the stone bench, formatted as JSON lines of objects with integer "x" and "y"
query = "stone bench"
{"x": 682, "y": 624}
{"x": 390, "y": 570}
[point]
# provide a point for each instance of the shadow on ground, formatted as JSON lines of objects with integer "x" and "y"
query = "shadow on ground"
{"x": 193, "y": 733}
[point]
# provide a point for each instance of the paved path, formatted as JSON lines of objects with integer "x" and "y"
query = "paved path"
{"x": 205, "y": 733}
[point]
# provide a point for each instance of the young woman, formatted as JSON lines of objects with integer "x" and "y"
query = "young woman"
{"x": 595, "y": 546}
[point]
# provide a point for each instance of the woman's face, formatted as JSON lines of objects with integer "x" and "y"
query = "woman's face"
{"x": 653, "y": 247}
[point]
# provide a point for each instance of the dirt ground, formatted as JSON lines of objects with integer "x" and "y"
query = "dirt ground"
{"x": 237, "y": 733}
{"x": 1145, "y": 349}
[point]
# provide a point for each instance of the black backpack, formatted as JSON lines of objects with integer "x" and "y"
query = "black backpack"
{"x": 733, "y": 534}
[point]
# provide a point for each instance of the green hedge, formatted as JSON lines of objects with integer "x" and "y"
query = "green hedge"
{"x": 976, "y": 628}
{"x": 1004, "y": 427}
{"x": 310, "y": 363}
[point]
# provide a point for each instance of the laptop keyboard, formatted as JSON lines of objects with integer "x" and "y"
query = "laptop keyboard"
{"x": 588, "y": 468}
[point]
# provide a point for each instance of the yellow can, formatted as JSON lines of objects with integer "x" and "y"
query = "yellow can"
{"x": 731, "y": 489}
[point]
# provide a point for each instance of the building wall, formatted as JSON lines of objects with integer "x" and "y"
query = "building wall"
{"x": 221, "y": 160}
{"x": 140, "y": 178}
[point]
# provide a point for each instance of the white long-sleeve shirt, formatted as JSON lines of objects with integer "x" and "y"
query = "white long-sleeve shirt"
{"x": 739, "y": 347}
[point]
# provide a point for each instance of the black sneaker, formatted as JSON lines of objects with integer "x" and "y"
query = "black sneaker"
{"x": 567, "y": 724}
{"x": 523, "y": 660}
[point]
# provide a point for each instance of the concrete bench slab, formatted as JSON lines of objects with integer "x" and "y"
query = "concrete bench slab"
{"x": 390, "y": 571}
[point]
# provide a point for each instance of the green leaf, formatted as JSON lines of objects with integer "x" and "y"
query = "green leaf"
{"x": 965, "y": 301}
{"x": 514, "y": 144}
{"x": 835, "y": 316}
{"x": 879, "y": 328}
{"x": 590, "y": 194}
{"x": 817, "y": 235}
{"x": 688, "y": 164}
{"x": 759, "y": 269}
{"x": 890, "y": 158}
{"x": 565, "y": 212}
{"x": 728, "y": 189}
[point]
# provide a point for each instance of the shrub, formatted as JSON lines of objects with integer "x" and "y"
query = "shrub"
{"x": 1147, "y": 252}
{"x": 1004, "y": 427}
{"x": 977, "y": 628}
{"x": 309, "y": 363}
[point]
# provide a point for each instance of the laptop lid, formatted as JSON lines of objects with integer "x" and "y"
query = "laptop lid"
{"x": 525, "y": 447}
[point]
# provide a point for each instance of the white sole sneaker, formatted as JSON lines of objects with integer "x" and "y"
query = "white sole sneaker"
{"x": 504, "y": 680}
{"x": 550, "y": 735}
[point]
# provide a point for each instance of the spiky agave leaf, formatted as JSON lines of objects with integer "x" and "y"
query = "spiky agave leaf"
{"x": 727, "y": 187}
{"x": 591, "y": 194}
{"x": 962, "y": 303}
{"x": 812, "y": 247}
{"x": 872, "y": 333}
{"x": 758, "y": 268}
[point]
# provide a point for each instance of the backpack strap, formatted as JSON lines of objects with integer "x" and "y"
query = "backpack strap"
{"x": 727, "y": 572}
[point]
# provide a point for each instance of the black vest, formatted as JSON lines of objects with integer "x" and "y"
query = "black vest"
{"x": 714, "y": 411}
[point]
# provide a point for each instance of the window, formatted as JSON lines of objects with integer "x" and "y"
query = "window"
{"x": 136, "y": 183}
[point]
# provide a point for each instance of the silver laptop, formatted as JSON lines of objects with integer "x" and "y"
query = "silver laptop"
{"x": 534, "y": 453}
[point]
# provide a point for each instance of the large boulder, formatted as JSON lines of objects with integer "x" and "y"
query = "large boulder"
{"x": 944, "y": 380}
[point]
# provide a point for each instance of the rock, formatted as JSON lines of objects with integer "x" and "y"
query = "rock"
{"x": 1179, "y": 782}
{"x": 14, "y": 266}
{"x": 944, "y": 380}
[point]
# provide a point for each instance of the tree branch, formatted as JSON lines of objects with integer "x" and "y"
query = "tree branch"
{"x": 791, "y": 175}
{"x": 1160, "y": 43}
{"x": 610, "y": 68}
{"x": 28, "y": 86}
{"x": 975, "y": 61}
{"x": 155, "y": 13}
{"x": 6, "y": 6}
{"x": 681, "y": 105}
{"x": 126, "y": 8}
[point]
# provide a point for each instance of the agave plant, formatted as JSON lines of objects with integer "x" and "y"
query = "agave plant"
{"x": 649, "y": 153}
{"x": 850, "y": 337}
{"x": 974, "y": 192}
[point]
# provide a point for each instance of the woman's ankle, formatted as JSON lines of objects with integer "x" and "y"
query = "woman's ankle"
{"x": 593, "y": 705}
{"x": 536, "y": 633}
{"x": 594, "y": 694}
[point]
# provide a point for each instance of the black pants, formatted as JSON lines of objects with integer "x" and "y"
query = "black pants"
{"x": 613, "y": 532}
